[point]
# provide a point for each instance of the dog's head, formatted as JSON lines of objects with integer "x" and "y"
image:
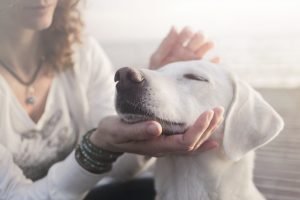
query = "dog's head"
{"x": 178, "y": 93}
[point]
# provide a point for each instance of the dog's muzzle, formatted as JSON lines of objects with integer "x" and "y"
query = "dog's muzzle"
{"x": 132, "y": 99}
{"x": 128, "y": 79}
{"x": 130, "y": 87}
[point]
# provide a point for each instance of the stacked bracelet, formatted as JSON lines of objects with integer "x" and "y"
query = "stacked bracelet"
{"x": 93, "y": 158}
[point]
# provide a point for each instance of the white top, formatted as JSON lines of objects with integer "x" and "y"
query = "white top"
{"x": 76, "y": 102}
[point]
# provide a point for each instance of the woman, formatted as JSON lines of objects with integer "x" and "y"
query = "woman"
{"x": 55, "y": 86}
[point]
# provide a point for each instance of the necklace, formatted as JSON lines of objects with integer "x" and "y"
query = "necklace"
{"x": 30, "y": 90}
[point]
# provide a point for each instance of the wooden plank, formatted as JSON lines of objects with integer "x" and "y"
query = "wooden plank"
{"x": 277, "y": 168}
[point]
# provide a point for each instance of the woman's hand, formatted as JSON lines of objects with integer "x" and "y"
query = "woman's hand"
{"x": 182, "y": 46}
{"x": 145, "y": 138}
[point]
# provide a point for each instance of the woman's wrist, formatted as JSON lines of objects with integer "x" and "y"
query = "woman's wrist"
{"x": 92, "y": 158}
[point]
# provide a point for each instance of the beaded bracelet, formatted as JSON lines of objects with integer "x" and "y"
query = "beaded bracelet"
{"x": 93, "y": 158}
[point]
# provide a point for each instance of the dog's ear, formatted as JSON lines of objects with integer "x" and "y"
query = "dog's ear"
{"x": 250, "y": 122}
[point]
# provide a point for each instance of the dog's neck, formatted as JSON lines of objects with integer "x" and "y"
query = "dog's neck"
{"x": 205, "y": 177}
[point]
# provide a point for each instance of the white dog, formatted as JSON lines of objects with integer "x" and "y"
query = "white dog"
{"x": 175, "y": 96}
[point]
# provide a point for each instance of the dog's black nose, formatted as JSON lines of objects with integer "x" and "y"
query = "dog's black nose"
{"x": 128, "y": 78}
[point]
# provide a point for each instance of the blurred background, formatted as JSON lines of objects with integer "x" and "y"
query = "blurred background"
{"x": 258, "y": 39}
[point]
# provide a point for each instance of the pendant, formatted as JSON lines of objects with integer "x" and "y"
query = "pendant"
{"x": 30, "y": 99}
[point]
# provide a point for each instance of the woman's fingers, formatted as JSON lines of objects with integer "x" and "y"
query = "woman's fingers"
{"x": 182, "y": 46}
{"x": 195, "y": 42}
{"x": 180, "y": 52}
{"x": 200, "y": 132}
{"x": 196, "y": 47}
{"x": 195, "y": 133}
{"x": 112, "y": 132}
{"x": 136, "y": 132}
{"x": 203, "y": 49}
{"x": 184, "y": 36}
{"x": 177, "y": 144}
{"x": 145, "y": 137}
{"x": 185, "y": 143}
{"x": 214, "y": 123}
{"x": 164, "y": 49}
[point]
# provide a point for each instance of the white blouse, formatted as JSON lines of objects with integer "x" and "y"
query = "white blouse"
{"x": 30, "y": 151}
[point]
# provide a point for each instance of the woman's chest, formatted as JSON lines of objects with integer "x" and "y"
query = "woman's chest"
{"x": 31, "y": 98}
{"x": 38, "y": 145}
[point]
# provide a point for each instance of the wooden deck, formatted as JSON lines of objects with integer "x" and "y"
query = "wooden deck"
{"x": 277, "y": 170}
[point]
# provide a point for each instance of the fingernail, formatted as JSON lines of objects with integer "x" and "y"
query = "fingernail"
{"x": 221, "y": 109}
{"x": 210, "y": 115}
{"x": 153, "y": 129}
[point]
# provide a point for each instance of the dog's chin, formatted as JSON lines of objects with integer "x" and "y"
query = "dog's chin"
{"x": 168, "y": 127}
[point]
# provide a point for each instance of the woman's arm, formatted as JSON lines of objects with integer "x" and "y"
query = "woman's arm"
{"x": 65, "y": 180}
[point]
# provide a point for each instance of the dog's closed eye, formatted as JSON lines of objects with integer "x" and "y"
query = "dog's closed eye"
{"x": 195, "y": 77}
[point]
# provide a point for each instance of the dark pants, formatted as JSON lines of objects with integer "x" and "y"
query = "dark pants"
{"x": 137, "y": 189}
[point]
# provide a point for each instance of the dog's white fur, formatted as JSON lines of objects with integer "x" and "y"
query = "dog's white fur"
{"x": 224, "y": 173}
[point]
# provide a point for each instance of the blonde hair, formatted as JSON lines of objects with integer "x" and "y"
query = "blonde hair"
{"x": 59, "y": 38}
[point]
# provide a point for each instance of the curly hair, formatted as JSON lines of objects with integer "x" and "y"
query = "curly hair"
{"x": 60, "y": 37}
